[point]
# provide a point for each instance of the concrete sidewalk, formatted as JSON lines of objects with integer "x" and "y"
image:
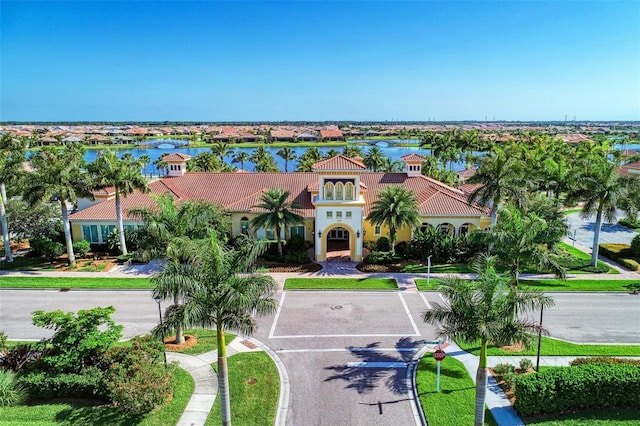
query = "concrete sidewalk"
{"x": 206, "y": 380}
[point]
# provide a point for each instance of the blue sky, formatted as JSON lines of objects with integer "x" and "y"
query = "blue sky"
{"x": 267, "y": 61}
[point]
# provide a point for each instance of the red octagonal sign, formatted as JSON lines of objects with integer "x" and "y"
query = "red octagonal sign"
{"x": 439, "y": 355}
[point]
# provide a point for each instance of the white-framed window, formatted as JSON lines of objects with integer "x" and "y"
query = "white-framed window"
{"x": 376, "y": 230}
{"x": 338, "y": 215}
{"x": 105, "y": 230}
{"x": 328, "y": 191}
{"x": 244, "y": 225}
{"x": 329, "y": 215}
{"x": 339, "y": 191}
{"x": 297, "y": 230}
{"x": 348, "y": 191}
{"x": 90, "y": 233}
{"x": 348, "y": 215}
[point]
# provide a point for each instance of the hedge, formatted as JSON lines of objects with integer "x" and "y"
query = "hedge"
{"x": 586, "y": 386}
{"x": 629, "y": 263}
{"x": 615, "y": 251}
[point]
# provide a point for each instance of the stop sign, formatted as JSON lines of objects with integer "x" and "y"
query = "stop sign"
{"x": 439, "y": 355}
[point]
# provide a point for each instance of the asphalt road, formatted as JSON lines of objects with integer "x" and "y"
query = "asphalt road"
{"x": 345, "y": 352}
{"x": 609, "y": 233}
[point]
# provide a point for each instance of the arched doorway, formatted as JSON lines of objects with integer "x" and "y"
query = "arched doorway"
{"x": 337, "y": 240}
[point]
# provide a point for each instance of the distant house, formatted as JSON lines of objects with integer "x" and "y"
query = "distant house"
{"x": 334, "y": 200}
{"x": 331, "y": 135}
{"x": 307, "y": 137}
{"x": 281, "y": 135}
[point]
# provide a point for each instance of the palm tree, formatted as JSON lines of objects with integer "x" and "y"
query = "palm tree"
{"x": 59, "y": 175}
{"x": 374, "y": 159}
{"x": 395, "y": 207}
{"x": 240, "y": 157}
{"x": 331, "y": 153}
{"x": 287, "y": 154}
{"x": 177, "y": 281}
{"x": 263, "y": 160}
{"x": 221, "y": 149}
{"x": 278, "y": 213}
{"x": 125, "y": 175}
{"x": 485, "y": 310}
{"x": 12, "y": 155}
{"x": 166, "y": 221}
{"x": 496, "y": 174}
{"x": 227, "y": 296}
{"x": 205, "y": 162}
{"x": 602, "y": 189}
{"x": 521, "y": 239}
{"x": 352, "y": 151}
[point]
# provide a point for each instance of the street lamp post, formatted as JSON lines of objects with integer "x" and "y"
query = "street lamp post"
{"x": 158, "y": 300}
{"x": 539, "y": 339}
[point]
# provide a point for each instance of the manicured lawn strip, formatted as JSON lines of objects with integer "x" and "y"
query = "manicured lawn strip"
{"x": 454, "y": 268}
{"x": 586, "y": 257}
{"x": 207, "y": 341}
{"x": 80, "y": 282}
{"x": 578, "y": 285}
{"x": 555, "y": 347}
{"x": 251, "y": 405}
{"x": 79, "y": 412}
{"x": 568, "y": 212}
{"x": 340, "y": 284}
{"x": 553, "y": 284}
{"x": 600, "y": 417}
{"x": 455, "y": 403}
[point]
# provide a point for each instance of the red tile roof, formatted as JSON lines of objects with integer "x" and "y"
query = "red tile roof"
{"x": 331, "y": 133}
{"x": 413, "y": 157}
{"x": 339, "y": 162}
{"x": 176, "y": 156}
{"x": 241, "y": 191}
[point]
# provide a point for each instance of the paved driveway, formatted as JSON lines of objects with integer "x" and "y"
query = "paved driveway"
{"x": 610, "y": 233}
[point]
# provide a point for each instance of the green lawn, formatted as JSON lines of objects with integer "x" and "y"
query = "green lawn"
{"x": 555, "y": 347}
{"x": 579, "y": 254}
{"x": 340, "y": 284}
{"x": 83, "y": 413}
{"x": 251, "y": 404}
{"x": 553, "y": 284}
{"x": 80, "y": 282}
{"x": 455, "y": 403}
{"x": 207, "y": 341}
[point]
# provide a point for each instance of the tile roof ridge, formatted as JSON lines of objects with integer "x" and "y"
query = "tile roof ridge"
{"x": 173, "y": 188}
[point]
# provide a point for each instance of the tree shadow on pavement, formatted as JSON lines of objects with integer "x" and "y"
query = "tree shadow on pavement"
{"x": 366, "y": 379}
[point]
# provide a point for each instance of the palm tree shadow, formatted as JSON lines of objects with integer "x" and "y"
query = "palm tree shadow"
{"x": 365, "y": 379}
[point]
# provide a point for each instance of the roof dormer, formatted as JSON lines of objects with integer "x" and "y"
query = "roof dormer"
{"x": 176, "y": 163}
{"x": 413, "y": 164}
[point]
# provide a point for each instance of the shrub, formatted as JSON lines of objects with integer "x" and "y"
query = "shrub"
{"x": 369, "y": 245}
{"x": 525, "y": 364}
{"x": 635, "y": 246}
{"x": 295, "y": 243}
{"x": 137, "y": 380}
{"x": 630, "y": 223}
{"x": 634, "y": 288}
{"x": 125, "y": 257}
{"x": 17, "y": 357}
{"x": 3, "y": 340}
{"x": 629, "y": 263}
{"x": 600, "y": 268}
{"x": 381, "y": 258}
{"x": 11, "y": 392}
{"x": 81, "y": 248}
{"x": 383, "y": 244}
{"x": 297, "y": 258}
{"x": 43, "y": 384}
{"x": 614, "y": 251}
{"x": 37, "y": 246}
{"x": 505, "y": 368}
{"x": 580, "y": 387}
{"x": 53, "y": 250}
{"x": 604, "y": 360}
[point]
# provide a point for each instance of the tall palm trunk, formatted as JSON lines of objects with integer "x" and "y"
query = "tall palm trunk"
{"x": 179, "y": 329}
{"x": 279, "y": 241}
{"x": 481, "y": 385}
{"x": 392, "y": 237}
{"x": 123, "y": 243}
{"x": 223, "y": 378}
{"x": 5, "y": 226}
{"x": 596, "y": 237}
{"x": 67, "y": 233}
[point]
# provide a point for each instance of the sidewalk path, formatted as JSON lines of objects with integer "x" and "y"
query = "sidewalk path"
{"x": 206, "y": 380}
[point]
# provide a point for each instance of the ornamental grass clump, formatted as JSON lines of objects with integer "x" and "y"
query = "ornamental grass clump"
{"x": 11, "y": 392}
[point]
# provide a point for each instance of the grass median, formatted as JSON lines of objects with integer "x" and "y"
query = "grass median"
{"x": 80, "y": 282}
{"x": 553, "y": 284}
{"x": 254, "y": 387}
{"x": 340, "y": 284}
{"x": 455, "y": 403}
{"x": 555, "y": 347}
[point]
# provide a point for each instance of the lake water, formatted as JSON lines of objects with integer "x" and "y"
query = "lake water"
{"x": 394, "y": 152}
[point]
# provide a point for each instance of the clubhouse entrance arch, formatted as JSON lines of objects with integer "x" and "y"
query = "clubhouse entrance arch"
{"x": 339, "y": 237}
